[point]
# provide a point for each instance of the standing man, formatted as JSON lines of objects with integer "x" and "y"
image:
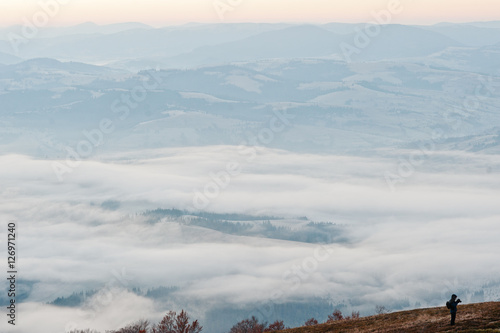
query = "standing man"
{"x": 452, "y": 305}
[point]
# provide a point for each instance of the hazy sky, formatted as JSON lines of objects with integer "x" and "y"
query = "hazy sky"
{"x": 167, "y": 12}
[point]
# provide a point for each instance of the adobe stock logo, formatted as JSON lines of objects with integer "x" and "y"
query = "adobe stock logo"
{"x": 223, "y": 6}
{"x": 29, "y": 30}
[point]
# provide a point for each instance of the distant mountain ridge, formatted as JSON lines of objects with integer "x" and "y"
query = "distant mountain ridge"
{"x": 136, "y": 46}
{"x": 53, "y": 64}
{"x": 9, "y": 59}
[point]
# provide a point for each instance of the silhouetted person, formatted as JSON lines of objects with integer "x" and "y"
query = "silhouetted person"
{"x": 452, "y": 305}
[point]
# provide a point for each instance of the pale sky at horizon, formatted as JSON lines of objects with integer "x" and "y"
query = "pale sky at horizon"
{"x": 169, "y": 12}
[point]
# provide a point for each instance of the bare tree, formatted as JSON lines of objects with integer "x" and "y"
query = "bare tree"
{"x": 336, "y": 315}
{"x": 167, "y": 324}
{"x": 248, "y": 326}
{"x": 380, "y": 309}
{"x": 311, "y": 322}
{"x": 140, "y": 326}
{"x": 177, "y": 323}
{"x": 276, "y": 326}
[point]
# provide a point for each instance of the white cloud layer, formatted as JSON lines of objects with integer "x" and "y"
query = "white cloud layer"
{"x": 436, "y": 233}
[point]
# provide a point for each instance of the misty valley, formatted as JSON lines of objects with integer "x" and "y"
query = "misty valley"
{"x": 238, "y": 170}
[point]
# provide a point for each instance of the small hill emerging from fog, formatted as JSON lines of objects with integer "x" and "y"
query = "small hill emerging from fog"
{"x": 480, "y": 317}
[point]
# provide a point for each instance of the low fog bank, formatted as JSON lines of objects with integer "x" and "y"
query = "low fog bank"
{"x": 411, "y": 243}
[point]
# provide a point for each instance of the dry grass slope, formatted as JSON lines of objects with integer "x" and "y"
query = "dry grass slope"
{"x": 480, "y": 317}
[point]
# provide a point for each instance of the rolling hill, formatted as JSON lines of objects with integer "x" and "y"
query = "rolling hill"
{"x": 479, "y": 317}
{"x": 9, "y": 59}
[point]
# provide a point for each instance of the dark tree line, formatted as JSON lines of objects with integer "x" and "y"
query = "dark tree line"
{"x": 247, "y": 225}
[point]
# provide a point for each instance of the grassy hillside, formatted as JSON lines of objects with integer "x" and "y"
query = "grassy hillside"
{"x": 480, "y": 317}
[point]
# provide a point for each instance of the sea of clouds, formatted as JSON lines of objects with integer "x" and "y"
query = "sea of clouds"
{"x": 434, "y": 232}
